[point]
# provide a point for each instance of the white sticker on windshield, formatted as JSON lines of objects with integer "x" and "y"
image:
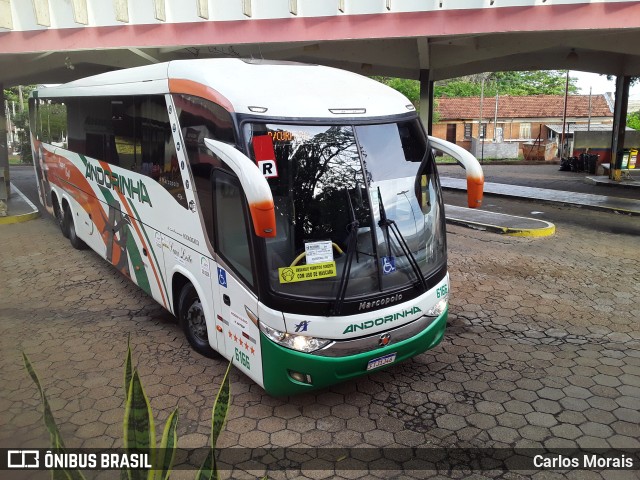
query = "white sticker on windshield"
{"x": 318, "y": 252}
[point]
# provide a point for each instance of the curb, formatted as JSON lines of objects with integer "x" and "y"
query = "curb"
{"x": 25, "y": 217}
{"x": 546, "y": 231}
{"x": 615, "y": 204}
{"x": 18, "y": 218}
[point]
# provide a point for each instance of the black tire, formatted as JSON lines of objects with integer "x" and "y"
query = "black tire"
{"x": 61, "y": 218}
{"x": 75, "y": 241}
{"x": 192, "y": 319}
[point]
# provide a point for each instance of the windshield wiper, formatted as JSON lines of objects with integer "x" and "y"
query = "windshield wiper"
{"x": 352, "y": 242}
{"x": 387, "y": 225}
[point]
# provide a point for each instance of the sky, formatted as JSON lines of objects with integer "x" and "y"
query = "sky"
{"x": 600, "y": 84}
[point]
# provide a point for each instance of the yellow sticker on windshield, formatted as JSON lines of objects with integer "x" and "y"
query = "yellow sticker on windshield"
{"x": 302, "y": 273}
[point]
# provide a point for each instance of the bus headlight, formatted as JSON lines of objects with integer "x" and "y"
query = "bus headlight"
{"x": 300, "y": 343}
{"x": 439, "y": 307}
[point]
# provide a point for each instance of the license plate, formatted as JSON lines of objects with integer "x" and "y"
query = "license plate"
{"x": 381, "y": 361}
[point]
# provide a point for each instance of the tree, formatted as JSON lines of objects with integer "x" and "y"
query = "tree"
{"x": 538, "y": 82}
{"x": 21, "y": 118}
{"x": 633, "y": 120}
{"x": 409, "y": 88}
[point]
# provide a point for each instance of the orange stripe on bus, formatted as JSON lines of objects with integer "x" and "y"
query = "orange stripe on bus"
{"x": 134, "y": 222}
{"x": 56, "y": 174}
{"x": 179, "y": 85}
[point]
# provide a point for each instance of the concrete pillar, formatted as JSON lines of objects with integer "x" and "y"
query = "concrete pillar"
{"x": 619, "y": 126}
{"x": 426, "y": 101}
{"x": 4, "y": 157}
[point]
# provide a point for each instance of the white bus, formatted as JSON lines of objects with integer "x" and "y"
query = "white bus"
{"x": 290, "y": 216}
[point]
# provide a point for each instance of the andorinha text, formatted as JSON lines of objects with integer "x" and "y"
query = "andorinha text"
{"x": 117, "y": 182}
{"x": 381, "y": 321}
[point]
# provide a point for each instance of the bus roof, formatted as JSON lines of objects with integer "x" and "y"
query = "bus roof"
{"x": 257, "y": 87}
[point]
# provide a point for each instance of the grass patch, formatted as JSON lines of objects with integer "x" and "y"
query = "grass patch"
{"x": 16, "y": 160}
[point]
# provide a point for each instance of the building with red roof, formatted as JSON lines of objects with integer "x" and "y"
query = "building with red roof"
{"x": 521, "y": 119}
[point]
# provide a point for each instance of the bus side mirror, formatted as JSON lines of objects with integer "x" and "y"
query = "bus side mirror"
{"x": 475, "y": 176}
{"x": 255, "y": 186}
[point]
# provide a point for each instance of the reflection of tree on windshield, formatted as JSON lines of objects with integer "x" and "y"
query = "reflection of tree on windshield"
{"x": 324, "y": 169}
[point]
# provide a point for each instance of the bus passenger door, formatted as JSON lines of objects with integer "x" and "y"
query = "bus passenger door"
{"x": 234, "y": 276}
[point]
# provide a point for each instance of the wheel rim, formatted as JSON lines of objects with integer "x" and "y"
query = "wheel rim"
{"x": 196, "y": 321}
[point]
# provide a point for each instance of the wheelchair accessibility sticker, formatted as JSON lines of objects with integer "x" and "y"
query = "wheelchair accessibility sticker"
{"x": 222, "y": 277}
{"x": 388, "y": 265}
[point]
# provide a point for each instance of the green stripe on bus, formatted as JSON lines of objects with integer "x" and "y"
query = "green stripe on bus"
{"x": 277, "y": 361}
{"x": 132, "y": 248}
{"x": 138, "y": 266}
{"x": 153, "y": 252}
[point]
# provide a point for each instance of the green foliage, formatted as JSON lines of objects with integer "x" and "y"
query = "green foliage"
{"x": 458, "y": 88}
{"x": 209, "y": 469}
{"x": 168, "y": 446}
{"x": 633, "y": 120}
{"x": 54, "y": 434}
{"x": 538, "y": 82}
{"x": 220, "y": 408}
{"x": 54, "y": 122}
{"x": 409, "y": 88}
{"x": 139, "y": 428}
{"x": 21, "y": 119}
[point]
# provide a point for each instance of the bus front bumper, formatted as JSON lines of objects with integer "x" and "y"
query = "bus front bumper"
{"x": 280, "y": 363}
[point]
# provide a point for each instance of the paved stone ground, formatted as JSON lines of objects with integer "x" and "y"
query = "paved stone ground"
{"x": 542, "y": 349}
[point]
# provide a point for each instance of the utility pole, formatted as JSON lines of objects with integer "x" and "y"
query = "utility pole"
{"x": 495, "y": 118}
{"x": 21, "y": 99}
{"x": 564, "y": 116}
{"x": 480, "y": 134}
{"x": 4, "y": 157}
{"x": 589, "y": 121}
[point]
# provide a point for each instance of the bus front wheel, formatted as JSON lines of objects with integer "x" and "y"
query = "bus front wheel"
{"x": 192, "y": 320}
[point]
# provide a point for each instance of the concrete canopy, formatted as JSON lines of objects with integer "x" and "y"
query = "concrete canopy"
{"x": 395, "y": 38}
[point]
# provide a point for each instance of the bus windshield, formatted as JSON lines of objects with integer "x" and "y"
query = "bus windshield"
{"x": 360, "y": 201}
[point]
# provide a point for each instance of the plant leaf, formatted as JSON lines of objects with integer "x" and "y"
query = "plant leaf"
{"x": 50, "y": 423}
{"x": 128, "y": 368}
{"x": 139, "y": 429}
{"x": 167, "y": 447}
{"x": 220, "y": 408}
{"x": 209, "y": 469}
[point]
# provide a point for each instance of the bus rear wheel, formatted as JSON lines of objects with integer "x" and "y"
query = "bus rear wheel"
{"x": 61, "y": 218}
{"x": 192, "y": 320}
{"x": 75, "y": 241}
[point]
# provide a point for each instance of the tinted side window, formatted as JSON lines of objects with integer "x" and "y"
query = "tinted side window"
{"x": 131, "y": 132}
{"x": 92, "y": 129}
{"x": 52, "y": 122}
{"x": 232, "y": 233}
{"x": 158, "y": 158}
{"x": 200, "y": 119}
